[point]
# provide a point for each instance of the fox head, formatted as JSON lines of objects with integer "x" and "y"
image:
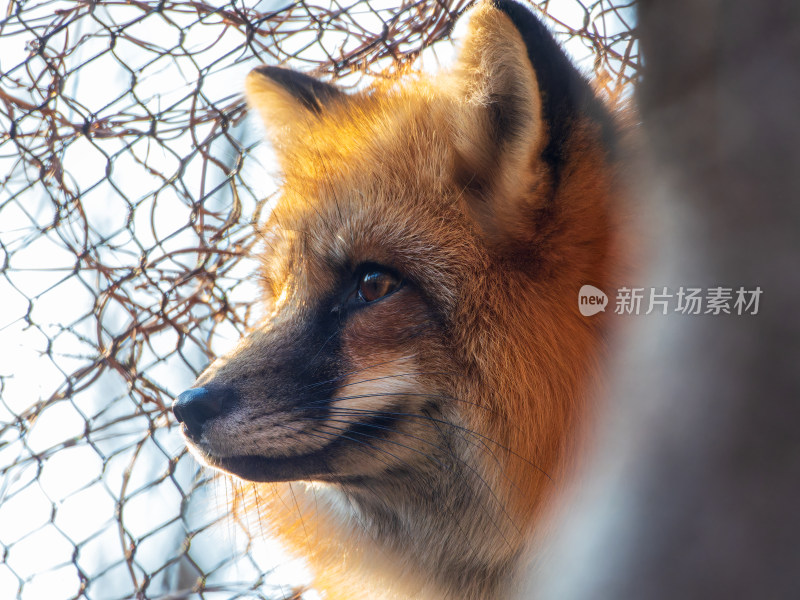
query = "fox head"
{"x": 423, "y": 355}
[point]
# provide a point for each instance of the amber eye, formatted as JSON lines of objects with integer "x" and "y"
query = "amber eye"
{"x": 375, "y": 284}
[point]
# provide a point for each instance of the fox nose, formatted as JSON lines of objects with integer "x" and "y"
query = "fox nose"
{"x": 195, "y": 407}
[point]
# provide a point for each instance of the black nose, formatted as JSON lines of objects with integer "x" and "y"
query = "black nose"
{"x": 197, "y": 406}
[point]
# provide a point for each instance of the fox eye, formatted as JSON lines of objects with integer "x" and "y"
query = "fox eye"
{"x": 375, "y": 284}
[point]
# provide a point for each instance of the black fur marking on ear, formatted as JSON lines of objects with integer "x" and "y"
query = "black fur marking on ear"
{"x": 565, "y": 92}
{"x": 312, "y": 93}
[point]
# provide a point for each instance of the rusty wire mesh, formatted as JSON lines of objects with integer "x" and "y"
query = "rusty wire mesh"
{"x": 130, "y": 183}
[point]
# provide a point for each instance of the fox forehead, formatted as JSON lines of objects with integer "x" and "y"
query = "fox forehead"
{"x": 377, "y": 129}
{"x": 370, "y": 183}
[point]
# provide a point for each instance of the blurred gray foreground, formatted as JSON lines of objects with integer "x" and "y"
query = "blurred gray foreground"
{"x": 695, "y": 489}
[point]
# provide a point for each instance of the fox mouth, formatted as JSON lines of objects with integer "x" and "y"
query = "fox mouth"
{"x": 262, "y": 469}
{"x": 317, "y": 465}
{"x": 265, "y": 469}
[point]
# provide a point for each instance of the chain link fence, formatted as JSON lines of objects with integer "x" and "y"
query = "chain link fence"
{"x": 130, "y": 184}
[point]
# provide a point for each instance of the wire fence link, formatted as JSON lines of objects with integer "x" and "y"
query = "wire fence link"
{"x": 130, "y": 184}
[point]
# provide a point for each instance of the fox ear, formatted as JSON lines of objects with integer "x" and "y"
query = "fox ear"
{"x": 286, "y": 98}
{"x": 508, "y": 77}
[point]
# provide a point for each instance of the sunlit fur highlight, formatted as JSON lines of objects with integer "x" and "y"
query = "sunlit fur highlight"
{"x": 490, "y": 329}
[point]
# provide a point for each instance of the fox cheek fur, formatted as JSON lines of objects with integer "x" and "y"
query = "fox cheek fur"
{"x": 418, "y": 391}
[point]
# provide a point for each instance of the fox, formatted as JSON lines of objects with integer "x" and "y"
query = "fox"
{"x": 417, "y": 393}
